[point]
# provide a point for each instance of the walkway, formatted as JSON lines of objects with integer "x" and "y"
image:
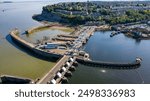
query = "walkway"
{"x": 83, "y": 36}
{"x": 50, "y": 75}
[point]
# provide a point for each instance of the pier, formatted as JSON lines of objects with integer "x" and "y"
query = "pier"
{"x": 16, "y": 38}
{"x": 68, "y": 58}
{"x": 7, "y": 79}
{"x": 50, "y": 75}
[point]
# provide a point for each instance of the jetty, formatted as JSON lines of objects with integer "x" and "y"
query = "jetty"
{"x": 68, "y": 58}
{"x": 33, "y": 48}
{"x": 111, "y": 65}
{"x": 7, "y": 79}
{"x": 57, "y": 74}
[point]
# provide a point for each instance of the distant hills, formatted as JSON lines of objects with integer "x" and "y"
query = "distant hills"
{"x": 6, "y": 2}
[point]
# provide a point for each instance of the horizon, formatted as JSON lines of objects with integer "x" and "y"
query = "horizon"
{"x": 67, "y": 0}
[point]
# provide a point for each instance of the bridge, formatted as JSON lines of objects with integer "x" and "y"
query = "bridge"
{"x": 50, "y": 75}
{"x": 68, "y": 60}
{"x": 55, "y": 75}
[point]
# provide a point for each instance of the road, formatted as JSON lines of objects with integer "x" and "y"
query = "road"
{"x": 49, "y": 76}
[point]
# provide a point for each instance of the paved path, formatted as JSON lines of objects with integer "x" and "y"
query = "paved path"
{"x": 49, "y": 76}
{"x": 76, "y": 45}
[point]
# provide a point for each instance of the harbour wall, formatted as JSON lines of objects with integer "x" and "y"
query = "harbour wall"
{"x": 50, "y": 55}
{"x": 7, "y": 79}
{"x": 111, "y": 65}
{"x": 32, "y": 47}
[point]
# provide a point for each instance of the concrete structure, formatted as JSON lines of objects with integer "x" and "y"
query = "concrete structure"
{"x": 59, "y": 72}
{"x": 7, "y": 79}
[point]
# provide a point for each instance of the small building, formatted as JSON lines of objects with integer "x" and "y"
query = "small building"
{"x": 53, "y": 46}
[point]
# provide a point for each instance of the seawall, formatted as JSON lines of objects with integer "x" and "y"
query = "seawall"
{"x": 7, "y": 79}
{"x": 32, "y": 47}
{"x": 111, "y": 65}
{"x": 50, "y": 55}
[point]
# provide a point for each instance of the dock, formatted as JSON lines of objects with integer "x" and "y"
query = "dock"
{"x": 8, "y": 79}
{"x": 67, "y": 59}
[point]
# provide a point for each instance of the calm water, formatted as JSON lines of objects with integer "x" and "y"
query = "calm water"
{"x": 116, "y": 49}
{"x": 15, "y": 61}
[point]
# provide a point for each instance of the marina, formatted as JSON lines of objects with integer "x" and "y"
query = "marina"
{"x": 15, "y": 60}
{"x": 74, "y": 51}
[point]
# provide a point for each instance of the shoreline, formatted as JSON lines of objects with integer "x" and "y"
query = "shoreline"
{"x": 48, "y": 26}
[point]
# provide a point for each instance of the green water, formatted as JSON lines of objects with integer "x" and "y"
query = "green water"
{"x": 13, "y": 59}
{"x": 49, "y": 33}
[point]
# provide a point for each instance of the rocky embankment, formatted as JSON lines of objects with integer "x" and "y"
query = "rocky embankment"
{"x": 50, "y": 17}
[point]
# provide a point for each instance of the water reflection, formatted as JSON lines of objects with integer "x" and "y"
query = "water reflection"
{"x": 115, "y": 49}
{"x": 24, "y": 49}
{"x": 103, "y": 71}
{"x": 14, "y": 60}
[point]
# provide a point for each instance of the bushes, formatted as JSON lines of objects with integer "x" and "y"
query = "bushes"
{"x": 106, "y": 14}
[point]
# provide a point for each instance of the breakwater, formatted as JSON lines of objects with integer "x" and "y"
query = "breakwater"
{"x": 57, "y": 74}
{"x": 33, "y": 48}
{"x": 111, "y": 65}
{"x": 7, "y": 79}
{"x": 80, "y": 60}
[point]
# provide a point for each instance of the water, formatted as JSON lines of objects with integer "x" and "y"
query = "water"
{"x": 49, "y": 33}
{"x": 119, "y": 48}
{"x": 13, "y": 59}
